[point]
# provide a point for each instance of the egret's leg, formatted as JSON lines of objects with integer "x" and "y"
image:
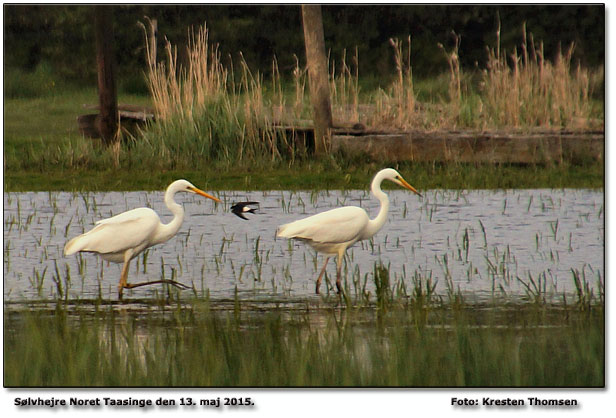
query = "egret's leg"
{"x": 321, "y": 274}
{"x": 339, "y": 272}
{"x": 128, "y": 255}
{"x": 123, "y": 278}
{"x": 172, "y": 282}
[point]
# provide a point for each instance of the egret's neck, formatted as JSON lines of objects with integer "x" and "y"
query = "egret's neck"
{"x": 374, "y": 225}
{"x": 167, "y": 231}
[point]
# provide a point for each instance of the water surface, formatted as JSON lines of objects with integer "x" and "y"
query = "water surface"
{"x": 484, "y": 244}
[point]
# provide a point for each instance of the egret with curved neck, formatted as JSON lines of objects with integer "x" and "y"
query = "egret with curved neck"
{"x": 123, "y": 237}
{"x": 333, "y": 231}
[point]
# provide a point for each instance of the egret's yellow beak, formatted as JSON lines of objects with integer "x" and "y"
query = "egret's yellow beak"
{"x": 202, "y": 193}
{"x": 408, "y": 186}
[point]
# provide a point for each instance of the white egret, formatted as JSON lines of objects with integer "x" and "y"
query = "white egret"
{"x": 333, "y": 231}
{"x": 121, "y": 238}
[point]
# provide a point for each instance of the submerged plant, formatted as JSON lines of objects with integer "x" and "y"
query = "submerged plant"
{"x": 584, "y": 292}
{"x": 423, "y": 292}
{"x": 382, "y": 286}
{"x": 198, "y": 344}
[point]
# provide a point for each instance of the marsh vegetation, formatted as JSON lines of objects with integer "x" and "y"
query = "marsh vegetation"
{"x": 461, "y": 288}
{"x": 219, "y": 116}
{"x": 306, "y": 344}
{"x": 446, "y": 295}
{"x": 526, "y": 245}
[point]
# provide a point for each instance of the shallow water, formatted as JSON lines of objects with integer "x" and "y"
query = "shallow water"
{"x": 513, "y": 243}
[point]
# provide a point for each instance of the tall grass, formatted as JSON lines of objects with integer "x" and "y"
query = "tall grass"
{"x": 195, "y": 346}
{"x": 344, "y": 90}
{"x": 522, "y": 90}
{"x": 525, "y": 89}
{"x": 395, "y": 106}
{"x": 212, "y": 113}
{"x": 204, "y": 114}
{"x": 454, "y": 87}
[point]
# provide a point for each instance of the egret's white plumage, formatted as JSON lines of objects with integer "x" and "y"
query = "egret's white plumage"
{"x": 333, "y": 231}
{"x": 122, "y": 237}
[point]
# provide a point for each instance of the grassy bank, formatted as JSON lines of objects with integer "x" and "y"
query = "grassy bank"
{"x": 311, "y": 176}
{"x": 191, "y": 345}
{"x": 214, "y": 124}
{"x": 48, "y": 153}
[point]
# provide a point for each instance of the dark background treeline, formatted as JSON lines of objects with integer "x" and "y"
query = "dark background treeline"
{"x": 61, "y": 37}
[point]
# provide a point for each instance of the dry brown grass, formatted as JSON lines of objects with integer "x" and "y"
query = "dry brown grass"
{"x": 525, "y": 89}
{"x": 396, "y": 106}
{"x": 202, "y": 108}
{"x": 344, "y": 89}
{"x": 521, "y": 90}
{"x": 455, "y": 80}
{"x": 182, "y": 90}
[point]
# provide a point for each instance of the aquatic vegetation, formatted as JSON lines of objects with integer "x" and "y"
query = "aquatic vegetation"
{"x": 229, "y": 343}
{"x": 459, "y": 239}
{"x": 454, "y": 293}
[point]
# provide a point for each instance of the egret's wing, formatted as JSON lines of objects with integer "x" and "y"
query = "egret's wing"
{"x": 334, "y": 226}
{"x": 130, "y": 215}
{"x": 118, "y": 233}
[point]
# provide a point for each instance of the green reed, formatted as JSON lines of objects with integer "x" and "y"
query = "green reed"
{"x": 191, "y": 344}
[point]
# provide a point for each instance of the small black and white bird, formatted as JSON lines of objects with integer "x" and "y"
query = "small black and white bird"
{"x": 243, "y": 207}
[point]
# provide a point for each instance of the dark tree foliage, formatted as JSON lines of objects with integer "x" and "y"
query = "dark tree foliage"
{"x": 62, "y": 36}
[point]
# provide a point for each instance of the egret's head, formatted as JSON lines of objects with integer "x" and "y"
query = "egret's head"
{"x": 393, "y": 175}
{"x": 186, "y": 186}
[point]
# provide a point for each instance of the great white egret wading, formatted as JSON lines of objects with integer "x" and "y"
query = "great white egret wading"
{"x": 333, "y": 231}
{"x": 123, "y": 237}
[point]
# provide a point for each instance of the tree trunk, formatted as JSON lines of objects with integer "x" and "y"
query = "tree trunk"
{"x": 317, "y": 76}
{"x": 108, "y": 120}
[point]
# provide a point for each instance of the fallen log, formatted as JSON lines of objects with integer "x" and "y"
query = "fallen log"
{"x": 470, "y": 147}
